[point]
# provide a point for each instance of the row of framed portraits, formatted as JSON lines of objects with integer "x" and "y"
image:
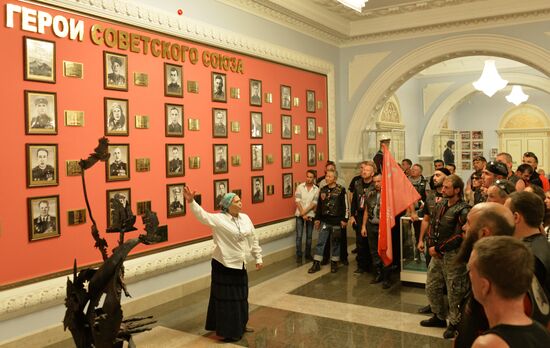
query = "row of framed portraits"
{"x": 44, "y": 212}
{"x": 43, "y": 169}
{"x": 41, "y": 111}
{"x": 40, "y": 62}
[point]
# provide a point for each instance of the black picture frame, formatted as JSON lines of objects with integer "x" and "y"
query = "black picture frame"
{"x": 39, "y": 60}
{"x": 310, "y": 101}
{"x": 286, "y": 156}
{"x": 173, "y": 80}
{"x": 43, "y": 217}
{"x": 220, "y": 156}
{"x": 219, "y": 87}
{"x": 115, "y": 71}
{"x": 174, "y": 120}
{"x": 118, "y": 166}
{"x": 255, "y": 88}
{"x": 311, "y": 128}
{"x": 124, "y": 195}
{"x": 40, "y": 113}
{"x": 219, "y": 123}
{"x": 311, "y": 155}
{"x": 175, "y": 164}
{"x": 256, "y": 157}
{"x": 113, "y": 108}
{"x": 42, "y": 165}
{"x": 258, "y": 189}
{"x": 175, "y": 202}
{"x": 288, "y": 185}
{"x": 256, "y": 125}
{"x": 286, "y": 127}
{"x": 286, "y": 97}
{"x": 220, "y": 191}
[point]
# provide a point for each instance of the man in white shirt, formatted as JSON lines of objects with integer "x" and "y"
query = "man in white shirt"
{"x": 307, "y": 194}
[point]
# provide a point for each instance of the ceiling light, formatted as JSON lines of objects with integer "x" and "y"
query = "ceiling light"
{"x": 357, "y": 5}
{"x": 490, "y": 81}
{"x": 517, "y": 96}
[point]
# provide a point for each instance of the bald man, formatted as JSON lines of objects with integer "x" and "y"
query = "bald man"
{"x": 484, "y": 219}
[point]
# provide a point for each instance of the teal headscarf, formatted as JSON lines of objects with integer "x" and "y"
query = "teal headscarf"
{"x": 226, "y": 201}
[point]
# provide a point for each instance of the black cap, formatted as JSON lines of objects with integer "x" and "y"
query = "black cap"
{"x": 497, "y": 168}
{"x": 444, "y": 171}
{"x": 505, "y": 185}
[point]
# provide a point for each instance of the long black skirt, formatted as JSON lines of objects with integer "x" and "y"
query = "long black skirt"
{"x": 228, "y": 304}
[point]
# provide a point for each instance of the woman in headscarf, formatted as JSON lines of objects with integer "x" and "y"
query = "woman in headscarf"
{"x": 234, "y": 238}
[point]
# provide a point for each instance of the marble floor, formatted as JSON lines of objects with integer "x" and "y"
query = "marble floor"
{"x": 291, "y": 308}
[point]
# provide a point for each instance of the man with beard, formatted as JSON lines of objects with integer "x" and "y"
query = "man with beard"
{"x": 438, "y": 164}
{"x": 444, "y": 239}
{"x": 493, "y": 171}
{"x": 359, "y": 193}
{"x": 478, "y": 163}
{"x": 506, "y": 158}
{"x": 536, "y": 179}
{"x": 500, "y": 191}
{"x": 484, "y": 219}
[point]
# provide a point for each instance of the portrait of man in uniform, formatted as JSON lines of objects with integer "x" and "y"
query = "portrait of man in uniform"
{"x": 286, "y": 155}
{"x": 221, "y": 187}
{"x": 173, "y": 80}
{"x": 219, "y": 119}
{"x": 219, "y": 88}
{"x": 116, "y": 71}
{"x": 287, "y": 185}
{"x": 118, "y": 168}
{"x": 39, "y": 60}
{"x": 174, "y": 159}
{"x": 311, "y": 155}
{"x": 40, "y": 113}
{"x": 176, "y": 203}
{"x": 256, "y": 125}
{"x": 257, "y": 189}
{"x": 257, "y": 154}
{"x": 310, "y": 101}
{"x": 286, "y": 126}
{"x": 256, "y": 92}
{"x": 43, "y": 216}
{"x": 311, "y": 128}
{"x": 220, "y": 158}
{"x": 174, "y": 120}
{"x": 42, "y": 165}
{"x": 285, "y": 97}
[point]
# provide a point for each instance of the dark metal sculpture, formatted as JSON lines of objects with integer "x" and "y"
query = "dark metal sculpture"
{"x": 96, "y": 324}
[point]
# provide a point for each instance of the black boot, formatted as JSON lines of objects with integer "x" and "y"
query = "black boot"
{"x": 333, "y": 266}
{"x": 386, "y": 282}
{"x": 377, "y": 278}
{"x": 316, "y": 267}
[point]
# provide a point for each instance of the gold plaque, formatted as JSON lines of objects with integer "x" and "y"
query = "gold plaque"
{"x": 297, "y": 129}
{"x": 319, "y": 104}
{"x": 194, "y": 124}
{"x": 319, "y": 130}
{"x": 236, "y": 160}
{"x": 270, "y": 189}
{"x": 321, "y": 156}
{"x": 235, "y": 93}
{"x": 269, "y": 128}
{"x": 73, "y": 69}
{"x": 73, "y": 168}
{"x": 268, "y": 97}
{"x": 74, "y": 118}
{"x": 142, "y": 122}
{"x": 296, "y": 101}
{"x": 141, "y": 79}
{"x": 269, "y": 159}
{"x": 143, "y": 165}
{"x": 297, "y": 157}
{"x": 142, "y": 207}
{"x": 76, "y": 217}
{"x": 193, "y": 86}
{"x": 235, "y": 126}
{"x": 194, "y": 162}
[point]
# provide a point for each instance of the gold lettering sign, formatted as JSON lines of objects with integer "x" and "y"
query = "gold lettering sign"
{"x": 319, "y": 104}
{"x": 194, "y": 162}
{"x": 297, "y": 157}
{"x": 141, "y": 79}
{"x": 270, "y": 190}
{"x": 321, "y": 156}
{"x": 269, "y": 159}
{"x": 236, "y": 160}
{"x": 269, "y": 128}
{"x": 235, "y": 126}
{"x": 268, "y": 98}
{"x": 73, "y": 69}
{"x": 76, "y": 217}
{"x": 194, "y": 124}
{"x": 73, "y": 168}
{"x": 235, "y": 93}
{"x": 74, "y": 118}
{"x": 319, "y": 130}
{"x": 193, "y": 86}
{"x": 142, "y": 122}
{"x": 296, "y": 101}
{"x": 143, "y": 165}
{"x": 297, "y": 129}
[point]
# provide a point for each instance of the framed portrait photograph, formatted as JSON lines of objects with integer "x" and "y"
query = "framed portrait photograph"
{"x": 257, "y": 156}
{"x": 42, "y": 169}
{"x": 175, "y": 201}
{"x": 311, "y": 155}
{"x": 219, "y": 123}
{"x": 288, "y": 185}
{"x": 286, "y": 156}
{"x": 43, "y": 213}
{"x": 173, "y": 80}
{"x": 286, "y": 127}
{"x": 219, "y": 87}
{"x": 175, "y": 153}
{"x": 285, "y": 97}
{"x": 118, "y": 166}
{"x": 40, "y": 112}
{"x": 256, "y": 125}
{"x": 39, "y": 60}
{"x": 257, "y": 189}
{"x": 311, "y": 127}
{"x": 221, "y": 187}
{"x": 310, "y": 101}
{"x": 115, "y": 71}
{"x": 220, "y": 157}
{"x": 173, "y": 114}
{"x": 115, "y": 199}
{"x": 238, "y": 192}
{"x": 255, "y": 92}
{"x": 116, "y": 116}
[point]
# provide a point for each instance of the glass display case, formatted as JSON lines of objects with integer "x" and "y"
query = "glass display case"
{"x": 413, "y": 262}
{"x": 370, "y": 142}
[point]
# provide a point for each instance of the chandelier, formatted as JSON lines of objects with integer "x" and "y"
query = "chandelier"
{"x": 517, "y": 96}
{"x": 490, "y": 81}
{"x": 357, "y": 5}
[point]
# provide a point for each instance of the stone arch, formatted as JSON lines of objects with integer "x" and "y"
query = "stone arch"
{"x": 370, "y": 104}
{"x": 524, "y": 116}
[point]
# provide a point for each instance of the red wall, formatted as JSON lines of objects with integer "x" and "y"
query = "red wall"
{"x": 23, "y": 260}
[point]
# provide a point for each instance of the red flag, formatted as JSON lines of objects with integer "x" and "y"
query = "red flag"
{"x": 397, "y": 194}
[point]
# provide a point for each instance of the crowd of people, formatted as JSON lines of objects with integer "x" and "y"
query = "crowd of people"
{"x": 485, "y": 241}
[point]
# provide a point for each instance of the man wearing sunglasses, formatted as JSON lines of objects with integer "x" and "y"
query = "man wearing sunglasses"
{"x": 500, "y": 190}
{"x": 493, "y": 171}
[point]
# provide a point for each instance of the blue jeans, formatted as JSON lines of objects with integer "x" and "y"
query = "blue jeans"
{"x": 327, "y": 231}
{"x": 300, "y": 226}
